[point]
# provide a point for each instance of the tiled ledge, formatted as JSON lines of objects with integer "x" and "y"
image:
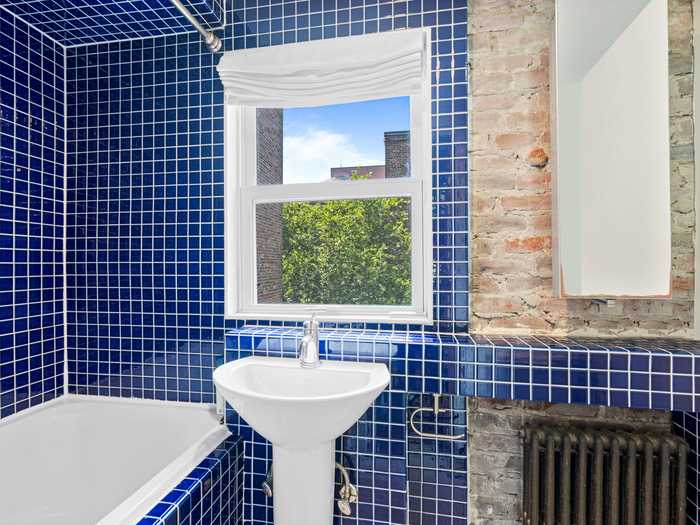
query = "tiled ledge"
{"x": 642, "y": 373}
{"x": 212, "y": 490}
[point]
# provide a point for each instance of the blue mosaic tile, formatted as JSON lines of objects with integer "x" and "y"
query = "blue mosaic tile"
{"x": 381, "y": 454}
{"x": 31, "y": 216}
{"x": 81, "y": 22}
{"x": 437, "y": 469}
{"x": 145, "y": 203}
{"x": 649, "y": 373}
{"x": 211, "y": 493}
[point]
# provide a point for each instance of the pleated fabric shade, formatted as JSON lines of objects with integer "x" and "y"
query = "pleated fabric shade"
{"x": 334, "y": 71}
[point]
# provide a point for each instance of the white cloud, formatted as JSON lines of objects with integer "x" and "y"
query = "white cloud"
{"x": 310, "y": 155}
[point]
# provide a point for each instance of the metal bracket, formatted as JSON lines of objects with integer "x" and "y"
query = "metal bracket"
{"x": 436, "y": 411}
{"x": 220, "y": 407}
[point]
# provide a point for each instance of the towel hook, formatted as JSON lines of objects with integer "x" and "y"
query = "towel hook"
{"x": 436, "y": 410}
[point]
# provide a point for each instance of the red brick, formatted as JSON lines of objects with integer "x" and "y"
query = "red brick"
{"x": 529, "y": 244}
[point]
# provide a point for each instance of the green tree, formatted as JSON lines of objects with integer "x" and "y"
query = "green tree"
{"x": 347, "y": 251}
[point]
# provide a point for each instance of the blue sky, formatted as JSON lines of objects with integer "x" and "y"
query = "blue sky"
{"x": 318, "y": 138}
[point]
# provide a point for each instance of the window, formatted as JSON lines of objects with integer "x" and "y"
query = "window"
{"x": 328, "y": 180}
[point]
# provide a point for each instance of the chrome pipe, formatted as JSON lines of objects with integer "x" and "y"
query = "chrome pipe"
{"x": 348, "y": 492}
{"x": 213, "y": 41}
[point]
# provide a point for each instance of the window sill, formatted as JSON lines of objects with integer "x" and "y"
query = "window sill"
{"x": 301, "y": 314}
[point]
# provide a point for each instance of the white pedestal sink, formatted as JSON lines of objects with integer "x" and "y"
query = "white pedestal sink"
{"x": 301, "y": 411}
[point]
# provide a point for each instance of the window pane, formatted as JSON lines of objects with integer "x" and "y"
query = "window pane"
{"x": 334, "y": 252}
{"x": 369, "y": 139}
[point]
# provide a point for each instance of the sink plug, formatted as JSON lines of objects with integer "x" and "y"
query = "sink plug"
{"x": 348, "y": 492}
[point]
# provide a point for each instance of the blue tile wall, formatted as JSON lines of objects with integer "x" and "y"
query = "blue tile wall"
{"x": 145, "y": 219}
{"x": 81, "y": 22}
{"x": 436, "y": 468}
{"x": 212, "y": 494}
{"x": 145, "y": 191}
{"x": 401, "y": 477}
{"x": 31, "y": 216}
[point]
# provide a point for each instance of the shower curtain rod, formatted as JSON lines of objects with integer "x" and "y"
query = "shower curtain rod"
{"x": 213, "y": 41}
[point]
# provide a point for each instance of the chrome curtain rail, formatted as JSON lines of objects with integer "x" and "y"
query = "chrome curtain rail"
{"x": 213, "y": 41}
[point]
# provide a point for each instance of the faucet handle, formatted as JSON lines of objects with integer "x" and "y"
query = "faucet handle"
{"x": 311, "y": 325}
{"x": 308, "y": 348}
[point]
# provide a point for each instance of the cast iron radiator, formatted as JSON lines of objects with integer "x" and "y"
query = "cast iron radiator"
{"x": 603, "y": 477}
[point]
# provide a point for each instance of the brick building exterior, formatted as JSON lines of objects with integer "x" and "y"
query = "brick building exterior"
{"x": 397, "y": 154}
{"x": 268, "y": 233}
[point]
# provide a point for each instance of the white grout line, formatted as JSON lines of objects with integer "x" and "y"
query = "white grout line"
{"x": 111, "y": 41}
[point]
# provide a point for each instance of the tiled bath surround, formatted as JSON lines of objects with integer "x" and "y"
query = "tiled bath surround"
{"x": 211, "y": 494}
{"x": 31, "y": 216}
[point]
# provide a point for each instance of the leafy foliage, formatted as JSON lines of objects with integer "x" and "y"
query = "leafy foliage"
{"x": 347, "y": 251}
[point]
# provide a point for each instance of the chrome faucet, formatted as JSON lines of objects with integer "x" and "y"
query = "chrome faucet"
{"x": 308, "y": 348}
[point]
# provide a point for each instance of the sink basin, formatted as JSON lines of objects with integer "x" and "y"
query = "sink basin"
{"x": 297, "y": 407}
{"x": 301, "y": 411}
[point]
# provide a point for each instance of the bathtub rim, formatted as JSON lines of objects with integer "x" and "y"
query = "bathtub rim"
{"x": 144, "y": 498}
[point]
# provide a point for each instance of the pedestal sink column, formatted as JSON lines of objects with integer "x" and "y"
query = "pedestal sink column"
{"x": 304, "y": 481}
{"x": 302, "y": 412}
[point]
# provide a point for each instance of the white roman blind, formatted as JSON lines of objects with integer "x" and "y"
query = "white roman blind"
{"x": 333, "y": 71}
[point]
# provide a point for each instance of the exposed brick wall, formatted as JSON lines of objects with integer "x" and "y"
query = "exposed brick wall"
{"x": 268, "y": 235}
{"x": 397, "y": 153}
{"x": 495, "y": 452}
{"x": 510, "y": 182}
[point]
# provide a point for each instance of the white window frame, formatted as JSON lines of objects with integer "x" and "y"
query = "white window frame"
{"x": 242, "y": 194}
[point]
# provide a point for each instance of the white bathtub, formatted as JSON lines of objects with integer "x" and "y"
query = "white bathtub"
{"x": 81, "y": 460}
